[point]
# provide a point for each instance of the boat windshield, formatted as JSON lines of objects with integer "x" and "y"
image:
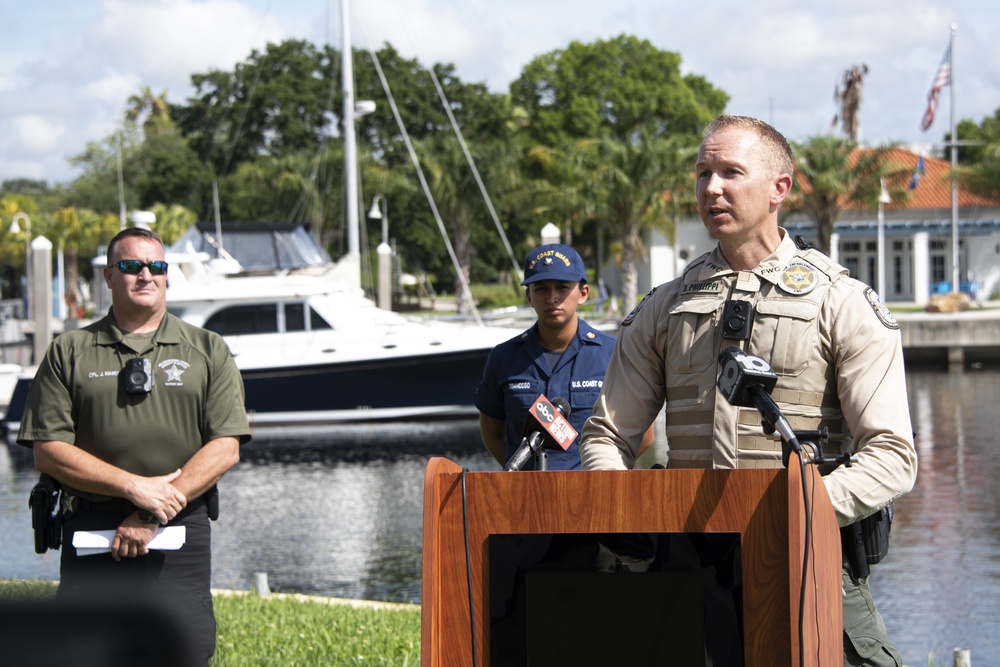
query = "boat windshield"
{"x": 256, "y": 246}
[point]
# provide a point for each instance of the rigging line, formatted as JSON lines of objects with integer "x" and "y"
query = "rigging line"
{"x": 319, "y": 162}
{"x": 423, "y": 182}
{"x": 475, "y": 173}
{"x": 246, "y": 107}
{"x": 472, "y": 164}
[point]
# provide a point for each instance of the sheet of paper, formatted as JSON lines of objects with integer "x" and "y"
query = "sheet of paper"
{"x": 90, "y": 542}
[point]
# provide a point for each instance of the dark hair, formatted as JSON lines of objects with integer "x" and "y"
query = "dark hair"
{"x": 129, "y": 232}
{"x": 776, "y": 151}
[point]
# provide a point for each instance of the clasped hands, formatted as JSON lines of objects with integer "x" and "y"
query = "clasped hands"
{"x": 158, "y": 496}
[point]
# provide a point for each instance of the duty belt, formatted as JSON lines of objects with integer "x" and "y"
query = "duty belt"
{"x": 122, "y": 507}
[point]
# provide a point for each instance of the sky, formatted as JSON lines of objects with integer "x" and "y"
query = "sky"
{"x": 68, "y": 67}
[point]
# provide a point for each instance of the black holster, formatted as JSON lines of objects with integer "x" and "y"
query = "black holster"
{"x": 866, "y": 542}
{"x": 212, "y": 502}
{"x": 46, "y": 515}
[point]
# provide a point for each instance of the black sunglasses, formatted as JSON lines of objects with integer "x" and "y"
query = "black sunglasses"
{"x": 134, "y": 267}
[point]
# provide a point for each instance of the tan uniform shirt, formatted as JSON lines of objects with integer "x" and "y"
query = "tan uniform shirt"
{"x": 834, "y": 345}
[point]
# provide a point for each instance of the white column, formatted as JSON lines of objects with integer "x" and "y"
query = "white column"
{"x": 921, "y": 268}
{"x": 41, "y": 297}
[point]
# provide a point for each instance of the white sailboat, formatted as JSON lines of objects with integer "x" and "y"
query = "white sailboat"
{"x": 312, "y": 349}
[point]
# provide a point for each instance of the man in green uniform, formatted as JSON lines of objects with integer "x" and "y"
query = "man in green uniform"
{"x": 137, "y": 416}
{"x": 834, "y": 345}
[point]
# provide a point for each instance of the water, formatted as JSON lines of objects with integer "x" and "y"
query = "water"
{"x": 338, "y": 512}
{"x": 939, "y": 587}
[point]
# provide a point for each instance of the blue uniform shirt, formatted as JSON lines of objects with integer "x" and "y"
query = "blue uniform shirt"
{"x": 517, "y": 372}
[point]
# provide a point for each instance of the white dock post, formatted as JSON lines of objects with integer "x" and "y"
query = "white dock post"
{"x": 260, "y": 584}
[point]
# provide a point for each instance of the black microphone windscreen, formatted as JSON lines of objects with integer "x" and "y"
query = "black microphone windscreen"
{"x": 562, "y": 405}
{"x": 739, "y": 372}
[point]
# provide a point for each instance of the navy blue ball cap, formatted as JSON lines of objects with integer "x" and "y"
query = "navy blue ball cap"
{"x": 553, "y": 261}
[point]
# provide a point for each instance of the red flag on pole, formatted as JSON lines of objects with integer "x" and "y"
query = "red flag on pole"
{"x": 941, "y": 79}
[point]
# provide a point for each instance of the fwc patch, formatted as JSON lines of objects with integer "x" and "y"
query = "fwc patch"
{"x": 799, "y": 277}
{"x": 885, "y": 315}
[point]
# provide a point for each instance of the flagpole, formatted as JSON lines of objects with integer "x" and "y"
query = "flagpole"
{"x": 955, "y": 255}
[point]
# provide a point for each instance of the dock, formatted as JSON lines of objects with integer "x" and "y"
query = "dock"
{"x": 971, "y": 336}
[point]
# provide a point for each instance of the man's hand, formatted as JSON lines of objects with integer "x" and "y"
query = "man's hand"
{"x": 132, "y": 537}
{"x": 157, "y": 495}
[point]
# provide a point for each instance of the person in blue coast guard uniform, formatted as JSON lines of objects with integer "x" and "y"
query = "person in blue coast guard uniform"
{"x": 559, "y": 356}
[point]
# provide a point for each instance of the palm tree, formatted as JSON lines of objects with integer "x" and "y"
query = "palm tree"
{"x": 155, "y": 107}
{"x": 458, "y": 198}
{"x": 632, "y": 182}
{"x": 834, "y": 174}
{"x": 848, "y": 95}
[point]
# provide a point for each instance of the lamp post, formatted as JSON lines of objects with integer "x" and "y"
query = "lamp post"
{"x": 883, "y": 199}
{"x": 384, "y": 252}
{"x": 15, "y": 228}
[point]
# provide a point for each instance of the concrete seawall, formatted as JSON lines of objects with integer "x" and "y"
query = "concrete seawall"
{"x": 954, "y": 338}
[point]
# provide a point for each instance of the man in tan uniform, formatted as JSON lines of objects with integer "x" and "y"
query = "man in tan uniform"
{"x": 835, "y": 347}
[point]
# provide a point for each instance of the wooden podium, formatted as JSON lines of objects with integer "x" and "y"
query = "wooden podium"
{"x": 765, "y": 506}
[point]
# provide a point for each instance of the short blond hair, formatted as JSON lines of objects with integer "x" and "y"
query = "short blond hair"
{"x": 774, "y": 147}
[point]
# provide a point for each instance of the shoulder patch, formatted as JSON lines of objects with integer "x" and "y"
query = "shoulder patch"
{"x": 882, "y": 311}
{"x": 635, "y": 311}
{"x": 799, "y": 277}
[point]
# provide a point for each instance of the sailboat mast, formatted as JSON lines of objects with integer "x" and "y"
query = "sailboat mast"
{"x": 353, "y": 257}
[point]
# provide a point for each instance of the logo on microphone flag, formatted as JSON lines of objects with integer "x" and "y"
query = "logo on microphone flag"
{"x": 557, "y": 426}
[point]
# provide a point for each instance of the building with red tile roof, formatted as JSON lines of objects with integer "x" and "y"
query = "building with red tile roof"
{"x": 917, "y": 240}
{"x": 918, "y": 233}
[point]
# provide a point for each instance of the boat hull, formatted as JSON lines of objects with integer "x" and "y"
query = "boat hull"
{"x": 420, "y": 387}
{"x": 430, "y": 386}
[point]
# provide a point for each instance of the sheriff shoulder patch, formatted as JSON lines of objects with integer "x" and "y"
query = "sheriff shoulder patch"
{"x": 882, "y": 311}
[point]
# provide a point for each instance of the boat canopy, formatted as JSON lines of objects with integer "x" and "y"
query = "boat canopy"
{"x": 257, "y": 246}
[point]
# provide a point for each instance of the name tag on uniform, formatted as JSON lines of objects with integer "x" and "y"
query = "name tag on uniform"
{"x": 708, "y": 287}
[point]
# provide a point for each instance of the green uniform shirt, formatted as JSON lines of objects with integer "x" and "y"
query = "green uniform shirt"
{"x": 78, "y": 397}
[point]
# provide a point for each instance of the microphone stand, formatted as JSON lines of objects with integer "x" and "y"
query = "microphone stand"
{"x": 774, "y": 417}
{"x": 541, "y": 459}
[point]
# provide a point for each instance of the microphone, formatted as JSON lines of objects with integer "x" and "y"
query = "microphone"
{"x": 546, "y": 428}
{"x": 746, "y": 380}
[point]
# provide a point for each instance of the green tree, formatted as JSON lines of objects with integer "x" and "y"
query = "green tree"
{"x": 979, "y": 162}
{"x": 165, "y": 170}
{"x": 13, "y": 244}
{"x": 172, "y": 220}
{"x": 96, "y": 188}
{"x": 459, "y": 201}
{"x": 614, "y": 104}
{"x": 276, "y": 103}
{"x": 612, "y": 88}
{"x": 839, "y": 173}
{"x": 154, "y": 108}
{"x": 631, "y": 182}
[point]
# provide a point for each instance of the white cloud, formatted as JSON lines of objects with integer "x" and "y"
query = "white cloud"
{"x": 72, "y": 65}
{"x": 36, "y": 135}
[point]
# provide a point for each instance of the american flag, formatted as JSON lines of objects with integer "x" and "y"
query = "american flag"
{"x": 941, "y": 79}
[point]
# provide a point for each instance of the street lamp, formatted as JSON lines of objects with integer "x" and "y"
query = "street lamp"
{"x": 883, "y": 199}
{"x": 384, "y": 252}
{"x": 15, "y": 228}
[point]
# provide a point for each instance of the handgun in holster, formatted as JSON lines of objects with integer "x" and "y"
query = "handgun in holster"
{"x": 866, "y": 542}
{"x": 46, "y": 515}
{"x": 212, "y": 502}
